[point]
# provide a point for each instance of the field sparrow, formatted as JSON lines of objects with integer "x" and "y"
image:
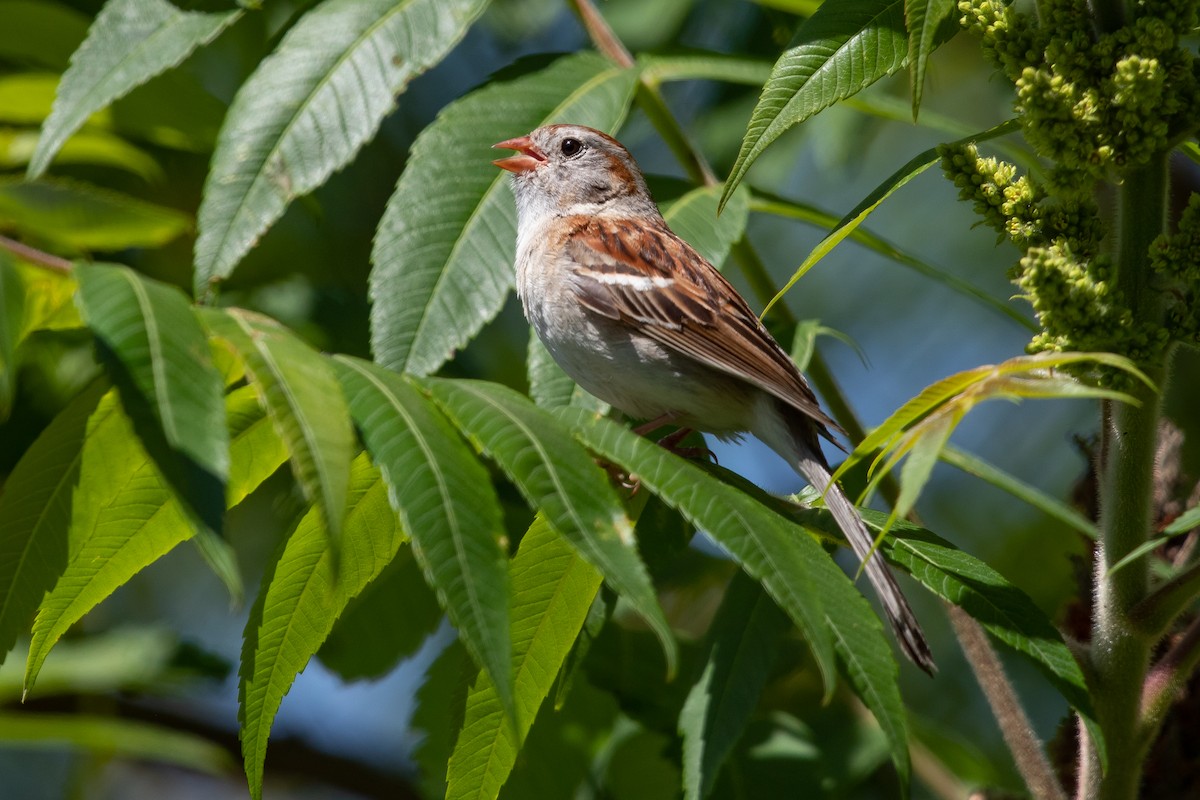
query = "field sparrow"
{"x": 639, "y": 319}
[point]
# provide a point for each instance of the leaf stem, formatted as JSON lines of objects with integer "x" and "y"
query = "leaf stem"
{"x": 1154, "y": 615}
{"x": 36, "y": 257}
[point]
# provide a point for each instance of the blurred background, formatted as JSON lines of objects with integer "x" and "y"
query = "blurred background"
{"x": 165, "y": 647}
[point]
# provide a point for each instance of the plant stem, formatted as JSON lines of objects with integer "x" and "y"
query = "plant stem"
{"x": 36, "y": 257}
{"x": 1023, "y": 743}
{"x": 1120, "y": 652}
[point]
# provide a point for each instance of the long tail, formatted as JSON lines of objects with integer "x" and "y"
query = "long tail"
{"x": 812, "y": 465}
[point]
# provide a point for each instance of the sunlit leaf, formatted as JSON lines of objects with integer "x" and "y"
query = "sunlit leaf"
{"x": 129, "y": 43}
{"x": 443, "y": 261}
{"x": 95, "y": 147}
{"x": 303, "y": 398}
{"x": 303, "y": 592}
{"x": 121, "y": 517}
{"x": 792, "y": 568}
{"x": 883, "y": 191}
{"x": 157, "y": 355}
{"x": 445, "y": 498}
{"x": 79, "y": 218}
{"x": 553, "y": 589}
{"x": 561, "y": 480}
{"x": 309, "y": 107}
{"x": 841, "y": 49}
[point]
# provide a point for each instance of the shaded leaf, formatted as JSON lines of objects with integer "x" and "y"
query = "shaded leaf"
{"x": 742, "y": 643}
{"x": 841, "y": 49}
{"x": 549, "y": 386}
{"x": 158, "y": 357}
{"x": 443, "y": 262}
{"x": 309, "y": 107}
{"x": 694, "y": 217}
{"x": 41, "y": 33}
{"x": 303, "y": 399}
{"x": 792, "y": 568}
{"x": 35, "y": 514}
{"x": 445, "y": 498}
{"x": 12, "y": 317}
{"x": 559, "y": 478}
{"x": 129, "y": 43}
{"x": 77, "y": 217}
{"x": 302, "y": 595}
{"x": 553, "y": 589}
{"x": 658, "y": 69}
{"x": 924, "y": 20}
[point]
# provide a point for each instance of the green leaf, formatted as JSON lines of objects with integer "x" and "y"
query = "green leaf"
{"x": 883, "y": 191}
{"x": 27, "y": 97}
{"x": 924, "y": 18}
{"x": 35, "y": 514}
{"x": 302, "y": 595}
{"x": 40, "y": 33}
{"x": 742, "y": 643}
{"x": 303, "y": 399}
{"x": 77, "y": 217}
{"x": 121, "y": 517}
{"x": 791, "y": 209}
{"x": 792, "y": 568}
{"x": 109, "y": 737}
{"x": 974, "y": 465}
{"x": 553, "y": 589}
{"x": 841, "y": 49}
{"x": 130, "y": 42}
{"x": 446, "y": 501}
{"x": 1185, "y": 521}
{"x": 309, "y": 107}
{"x": 549, "y": 386}
{"x": 94, "y": 147}
{"x": 158, "y": 356}
{"x": 694, "y": 218}
{"x": 558, "y": 477}
{"x": 444, "y": 260}
{"x": 1003, "y": 609}
{"x": 660, "y": 69}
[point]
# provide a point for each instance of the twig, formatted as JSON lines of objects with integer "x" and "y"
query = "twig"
{"x": 1023, "y": 743}
{"x": 36, "y": 257}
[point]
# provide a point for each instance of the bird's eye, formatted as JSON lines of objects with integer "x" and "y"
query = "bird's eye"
{"x": 571, "y": 147}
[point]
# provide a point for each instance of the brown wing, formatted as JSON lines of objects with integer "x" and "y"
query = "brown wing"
{"x": 647, "y": 277}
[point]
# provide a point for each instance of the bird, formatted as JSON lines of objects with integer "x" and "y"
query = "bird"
{"x": 639, "y": 319}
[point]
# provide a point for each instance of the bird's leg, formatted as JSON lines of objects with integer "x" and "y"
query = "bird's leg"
{"x": 671, "y": 440}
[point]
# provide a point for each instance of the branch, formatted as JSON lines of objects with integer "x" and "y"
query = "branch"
{"x": 36, "y": 257}
{"x": 1026, "y": 748}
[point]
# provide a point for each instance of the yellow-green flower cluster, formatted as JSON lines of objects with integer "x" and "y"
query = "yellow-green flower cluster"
{"x": 1176, "y": 257}
{"x": 1094, "y": 102}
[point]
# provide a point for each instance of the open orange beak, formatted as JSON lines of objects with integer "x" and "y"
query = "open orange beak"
{"x": 528, "y": 157}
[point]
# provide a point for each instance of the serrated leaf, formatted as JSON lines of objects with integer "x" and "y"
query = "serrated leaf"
{"x": 841, "y": 49}
{"x": 303, "y": 398}
{"x": 742, "y": 643}
{"x": 158, "y": 356}
{"x": 559, "y": 478}
{"x": 793, "y": 568}
{"x": 872, "y": 201}
{"x": 129, "y": 43}
{"x": 443, "y": 262}
{"x": 553, "y": 590}
{"x": 302, "y": 595}
{"x": 80, "y": 218}
{"x": 35, "y": 514}
{"x": 1003, "y": 609}
{"x": 446, "y": 501}
{"x": 923, "y": 19}
{"x": 309, "y": 107}
{"x": 694, "y": 217}
{"x": 121, "y": 517}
